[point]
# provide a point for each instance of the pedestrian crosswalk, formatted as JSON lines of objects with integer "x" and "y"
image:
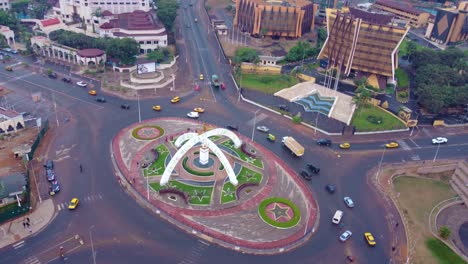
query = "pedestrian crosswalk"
{"x": 18, "y": 245}
{"x": 32, "y": 260}
{"x": 196, "y": 254}
{"x": 89, "y": 198}
{"x": 403, "y": 144}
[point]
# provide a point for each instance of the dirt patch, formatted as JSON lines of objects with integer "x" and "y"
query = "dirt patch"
{"x": 9, "y": 164}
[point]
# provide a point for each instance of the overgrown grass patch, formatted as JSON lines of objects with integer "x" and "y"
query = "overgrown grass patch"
{"x": 365, "y": 113}
{"x": 267, "y": 83}
{"x": 198, "y": 195}
{"x": 254, "y": 161}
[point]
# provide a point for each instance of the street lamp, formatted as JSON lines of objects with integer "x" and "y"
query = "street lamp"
{"x": 380, "y": 163}
{"x": 437, "y": 151}
{"x": 92, "y": 245}
{"x": 255, "y": 120}
{"x": 139, "y": 111}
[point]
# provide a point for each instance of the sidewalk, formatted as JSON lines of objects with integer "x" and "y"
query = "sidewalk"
{"x": 14, "y": 231}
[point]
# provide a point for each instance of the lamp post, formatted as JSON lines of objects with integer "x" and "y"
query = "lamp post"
{"x": 380, "y": 163}
{"x": 92, "y": 245}
{"x": 437, "y": 151}
{"x": 139, "y": 111}
{"x": 255, "y": 120}
{"x": 55, "y": 109}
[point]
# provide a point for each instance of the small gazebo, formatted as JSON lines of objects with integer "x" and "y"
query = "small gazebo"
{"x": 88, "y": 57}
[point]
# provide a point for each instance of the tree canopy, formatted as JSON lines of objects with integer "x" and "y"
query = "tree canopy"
{"x": 440, "y": 78}
{"x": 246, "y": 55}
{"x": 124, "y": 50}
{"x": 8, "y": 19}
{"x": 167, "y": 12}
{"x": 301, "y": 51}
{"x": 321, "y": 37}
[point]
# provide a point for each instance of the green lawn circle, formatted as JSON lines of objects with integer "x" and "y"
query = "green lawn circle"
{"x": 135, "y": 132}
{"x": 284, "y": 225}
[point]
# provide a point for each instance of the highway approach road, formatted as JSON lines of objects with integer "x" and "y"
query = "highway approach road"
{"x": 123, "y": 232}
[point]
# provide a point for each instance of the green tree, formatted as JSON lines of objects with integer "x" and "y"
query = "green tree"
{"x": 125, "y": 50}
{"x": 38, "y": 8}
{"x": 156, "y": 55}
{"x": 301, "y": 51}
{"x": 445, "y": 232}
{"x": 246, "y": 55}
{"x": 20, "y": 6}
{"x": 424, "y": 57}
{"x": 8, "y": 19}
{"x": 411, "y": 48}
{"x": 321, "y": 37}
{"x": 167, "y": 12}
{"x": 362, "y": 96}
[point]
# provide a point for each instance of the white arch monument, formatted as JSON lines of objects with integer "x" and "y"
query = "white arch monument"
{"x": 193, "y": 139}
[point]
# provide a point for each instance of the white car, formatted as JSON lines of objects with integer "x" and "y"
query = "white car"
{"x": 349, "y": 202}
{"x": 81, "y": 84}
{"x": 439, "y": 140}
{"x": 263, "y": 129}
{"x": 193, "y": 115}
{"x": 345, "y": 236}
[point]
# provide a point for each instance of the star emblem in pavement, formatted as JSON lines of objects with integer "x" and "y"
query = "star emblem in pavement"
{"x": 250, "y": 160}
{"x": 199, "y": 194}
{"x": 228, "y": 192}
{"x": 279, "y": 211}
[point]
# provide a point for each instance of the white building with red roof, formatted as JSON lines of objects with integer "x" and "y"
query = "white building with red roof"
{"x": 10, "y": 121}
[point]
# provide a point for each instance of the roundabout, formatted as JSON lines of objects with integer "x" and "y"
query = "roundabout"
{"x": 217, "y": 184}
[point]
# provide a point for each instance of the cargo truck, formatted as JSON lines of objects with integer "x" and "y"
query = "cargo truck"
{"x": 294, "y": 146}
{"x": 215, "y": 81}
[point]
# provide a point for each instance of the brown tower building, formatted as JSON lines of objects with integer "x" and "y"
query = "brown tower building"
{"x": 403, "y": 10}
{"x": 450, "y": 25}
{"x": 363, "y": 42}
{"x": 275, "y": 18}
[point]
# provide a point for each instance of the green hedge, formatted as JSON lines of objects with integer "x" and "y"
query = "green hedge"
{"x": 262, "y": 212}
{"x": 198, "y": 173}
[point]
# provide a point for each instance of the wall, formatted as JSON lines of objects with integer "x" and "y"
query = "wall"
{"x": 251, "y": 68}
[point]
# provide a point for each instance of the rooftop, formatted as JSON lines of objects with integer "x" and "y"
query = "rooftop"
{"x": 136, "y": 20}
{"x": 90, "y": 53}
{"x": 8, "y": 113}
{"x": 402, "y": 6}
{"x": 285, "y": 3}
{"x": 50, "y": 22}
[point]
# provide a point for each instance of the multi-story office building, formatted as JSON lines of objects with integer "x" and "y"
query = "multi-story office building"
{"x": 364, "y": 43}
{"x": 450, "y": 25}
{"x": 403, "y": 10}
{"x": 74, "y": 10}
{"x": 275, "y": 18}
{"x": 4, "y": 5}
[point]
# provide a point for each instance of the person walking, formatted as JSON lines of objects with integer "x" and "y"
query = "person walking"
{"x": 81, "y": 168}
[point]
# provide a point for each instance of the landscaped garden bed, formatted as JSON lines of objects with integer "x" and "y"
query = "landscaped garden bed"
{"x": 229, "y": 193}
{"x": 267, "y": 83}
{"x": 372, "y": 118}
{"x": 197, "y": 195}
{"x": 193, "y": 171}
{"x": 159, "y": 165}
{"x": 279, "y": 212}
{"x": 147, "y": 132}
{"x": 254, "y": 161}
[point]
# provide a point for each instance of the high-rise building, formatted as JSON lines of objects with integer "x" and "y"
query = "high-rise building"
{"x": 450, "y": 25}
{"x": 403, "y": 10}
{"x": 290, "y": 18}
{"x": 364, "y": 43}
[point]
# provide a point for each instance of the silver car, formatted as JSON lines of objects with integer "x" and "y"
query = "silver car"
{"x": 345, "y": 236}
{"x": 263, "y": 129}
{"x": 349, "y": 202}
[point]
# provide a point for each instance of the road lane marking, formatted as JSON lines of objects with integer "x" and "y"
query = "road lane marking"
{"x": 32, "y": 260}
{"x": 414, "y": 143}
{"x": 16, "y": 78}
{"x": 18, "y": 245}
{"x": 403, "y": 144}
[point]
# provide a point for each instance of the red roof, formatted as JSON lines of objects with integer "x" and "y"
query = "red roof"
{"x": 50, "y": 22}
{"x": 8, "y": 113}
{"x": 137, "y": 20}
{"x": 106, "y": 25}
{"x": 90, "y": 53}
{"x": 107, "y": 13}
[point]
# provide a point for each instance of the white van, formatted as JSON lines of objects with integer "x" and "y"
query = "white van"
{"x": 337, "y": 217}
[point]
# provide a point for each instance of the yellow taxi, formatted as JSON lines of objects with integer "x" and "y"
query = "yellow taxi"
{"x": 8, "y": 68}
{"x": 345, "y": 145}
{"x": 73, "y": 203}
{"x": 92, "y": 92}
{"x": 369, "y": 239}
{"x": 202, "y": 77}
{"x": 199, "y": 110}
{"x": 391, "y": 145}
{"x": 156, "y": 107}
{"x": 175, "y": 99}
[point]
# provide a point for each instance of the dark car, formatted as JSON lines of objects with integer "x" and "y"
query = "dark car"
{"x": 283, "y": 107}
{"x": 67, "y": 80}
{"x": 49, "y": 165}
{"x": 125, "y": 106}
{"x": 324, "y": 142}
{"x": 101, "y": 99}
{"x": 55, "y": 187}
{"x": 50, "y": 175}
{"x": 313, "y": 169}
{"x": 306, "y": 175}
{"x": 330, "y": 188}
{"x": 52, "y": 75}
{"x": 232, "y": 127}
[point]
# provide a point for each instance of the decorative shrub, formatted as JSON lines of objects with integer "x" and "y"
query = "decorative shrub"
{"x": 375, "y": 119}
{"x": 194, "y": 172}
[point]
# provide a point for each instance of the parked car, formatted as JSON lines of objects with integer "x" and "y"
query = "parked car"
{"x": 101, "y": 99}
{"x": 193, "y": 115}
{"x": 313, "y": 169}
{"x": 14, "y": 51}
{"x": 49, "y": 165}
{"x": 81, "y": 84}
{"x": 125, "y": 106}
{"x": 50, "y": 175}
{"x": 306, "y": 175}
{"x": 73, "y": 203}
{"x": 349, "y": 202}
{"x": 330, "y": 188}
{"x": 263, "y": 129}
{"x": 283, "y": 107}
{"x": 54, "y": 188}
{"x": 345, "y": 236}
{"x": 369, "y": 239}
{"x": 324, "y": 142}
{"x": 439, "y": 140}
{"x": 232, "y": 127}
{"x": 66, "y": 80}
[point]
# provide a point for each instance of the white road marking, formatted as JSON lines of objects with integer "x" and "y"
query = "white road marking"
{"x": 415, "y": 157}
{"x": 32, "y": 260}
{"x": 18, "y": 245}
{"x": 403, "y": 144}
{"x": 414, "y": 143}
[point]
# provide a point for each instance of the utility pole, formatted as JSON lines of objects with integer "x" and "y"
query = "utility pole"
{"x": 255, "y": 120}
{"x": 55, "y": 109}
{"x": 92, "y": 245}
{"x": 139, "y": 111}
{"x": 437, "y": 151}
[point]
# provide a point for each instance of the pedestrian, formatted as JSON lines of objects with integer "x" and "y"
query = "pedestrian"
{"x": 393, "y": 248}
{"x": 396, "y": 225}
{"x": 133, "y": 180}
{"x": 81, "y": 168}
{"x": 27, "y": 224}
{"x": 24, "y": 224}
{"x": 27, "y": 219}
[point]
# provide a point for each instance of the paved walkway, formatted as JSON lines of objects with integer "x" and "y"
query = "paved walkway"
{"x": 14, "y": 232}
{"x": 206, "y": 222}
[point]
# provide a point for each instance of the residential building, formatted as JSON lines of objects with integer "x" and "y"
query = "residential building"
{"x": 139, "y": 25}
{"x": 10, "y": 121}
{"x": 403, "y": 10}
{"x": 74, "y": 10}
{"x": 5, "y": 5}
{"x": 363, "y": 42}
{"x": 275, "y": 18}
{"x": 450, "y": 25}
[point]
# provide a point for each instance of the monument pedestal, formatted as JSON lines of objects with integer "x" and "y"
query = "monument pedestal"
{"x": 204, "y": 155}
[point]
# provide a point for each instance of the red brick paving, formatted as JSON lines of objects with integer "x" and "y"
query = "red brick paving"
{"x": 177, "y": 213}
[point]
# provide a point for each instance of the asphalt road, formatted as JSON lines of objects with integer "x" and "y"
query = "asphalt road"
{"x": 123, "y": 232}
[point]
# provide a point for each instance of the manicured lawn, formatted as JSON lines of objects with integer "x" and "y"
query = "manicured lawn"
{"x": 256, "y": 162}
{"x": 266, "y": 83}
{"x": 157, "y": 168}
{"x": 245, "y": 176}
{"x": 402, "y": 78}
{"x": 417, "y": 197}
{"x": 198, "y": 195}
{"x": 362, "y": 124}
{"x": 443, "y": 253}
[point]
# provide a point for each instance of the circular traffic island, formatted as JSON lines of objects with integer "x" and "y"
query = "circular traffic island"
{"x": 218, "y": 184}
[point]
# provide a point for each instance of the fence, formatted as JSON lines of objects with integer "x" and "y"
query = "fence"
{"x": 39, "y": 137}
